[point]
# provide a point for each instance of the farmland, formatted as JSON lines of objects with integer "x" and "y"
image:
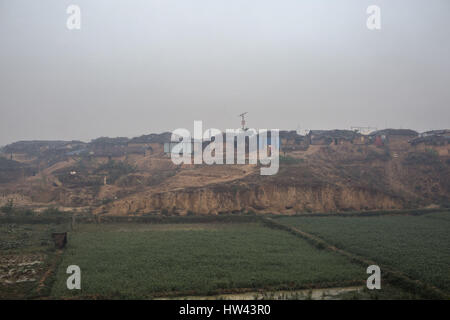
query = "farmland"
{"x": 26, "y": 254}
{"x": 227, "y": 256}
{"x": 418, "y": 246}
{"x": 135, "y": 261}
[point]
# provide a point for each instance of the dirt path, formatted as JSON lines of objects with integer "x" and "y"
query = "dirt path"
{"x": 314, "y": 294}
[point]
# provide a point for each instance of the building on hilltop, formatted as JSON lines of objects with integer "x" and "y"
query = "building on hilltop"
{"x": 397, "y": 139}
{"x": 437, "y": 140}
{"x": 334, "y": 137}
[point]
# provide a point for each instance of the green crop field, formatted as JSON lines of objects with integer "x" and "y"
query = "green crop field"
{"x": 183, "y": 257}
{"x": 418, "y": 246}
{"x": 151, "y": 260}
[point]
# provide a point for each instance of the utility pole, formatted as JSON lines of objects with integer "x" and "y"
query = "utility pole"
{"x": 242, "y": 115}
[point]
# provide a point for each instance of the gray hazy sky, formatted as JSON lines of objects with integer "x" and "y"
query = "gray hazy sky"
{"x": 144, "y": 66}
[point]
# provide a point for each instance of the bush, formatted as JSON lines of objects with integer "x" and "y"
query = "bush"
{"x": 429, "y": 157}
{"x": 106, "y": 201}
{"x": 290, "y": 160}
{"x": 115, "y": 169}
{"x": 52, "y": 211}
{"x": 28, "y": 213}
{"x": 373, "y": 155}
{"x": 8, "y": 208}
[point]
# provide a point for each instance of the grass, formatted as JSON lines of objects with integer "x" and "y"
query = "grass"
{"x": 144, "y": 261}
{"x": 418, "y": 246}
{"x": 27, "y": 238}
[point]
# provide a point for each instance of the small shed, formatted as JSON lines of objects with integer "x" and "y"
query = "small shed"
{"x": 60, "y": 239}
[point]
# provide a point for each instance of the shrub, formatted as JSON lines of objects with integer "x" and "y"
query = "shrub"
{"x": 106, "y": 201}
{"x": 8, "y": 208}
{"x": 422, "y": 158}
{"x": 115, "y": 169}
{"x": 290, "y": 160}
{"x": 52, "y": 211}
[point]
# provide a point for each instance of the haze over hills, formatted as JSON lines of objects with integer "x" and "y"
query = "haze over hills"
{"x": 323, "y": 171}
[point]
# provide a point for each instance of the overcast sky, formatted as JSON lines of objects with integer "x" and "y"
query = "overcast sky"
{"x": 137, "y": 67}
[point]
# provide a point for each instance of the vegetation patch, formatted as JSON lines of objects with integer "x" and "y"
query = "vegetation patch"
{"x": 179, "y": 261}
{"x": 417, "y": 246}
{"x": 429, "y": 157}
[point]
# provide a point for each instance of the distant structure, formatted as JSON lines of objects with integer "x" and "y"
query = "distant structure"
{"x": 437, "y": 140}
{"x": 300, "y": 131}
{"x": 364, "y": 130}
{"x": 242, "y": 115}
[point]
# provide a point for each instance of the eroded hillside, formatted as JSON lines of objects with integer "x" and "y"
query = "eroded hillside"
{"x": 336, "y": 172}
